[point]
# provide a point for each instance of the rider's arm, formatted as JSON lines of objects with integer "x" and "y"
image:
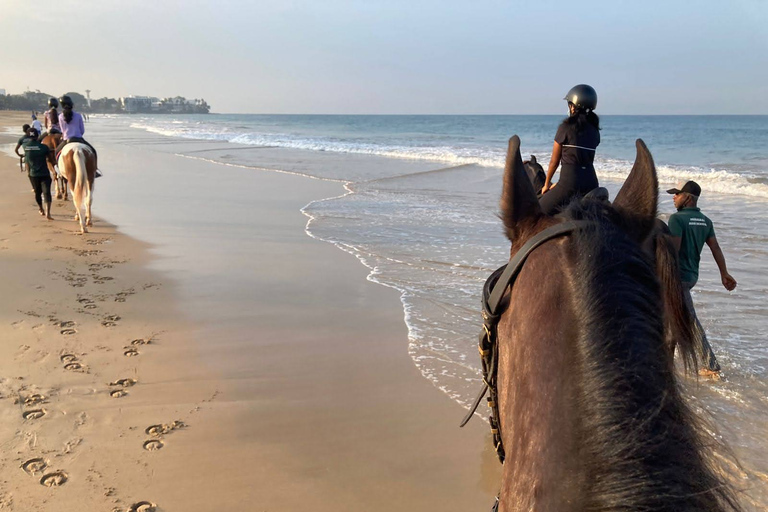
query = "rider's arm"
{"x": 727, "y": 279}
{"x": 554, "y": 162}
{"x": 82, "y": 126}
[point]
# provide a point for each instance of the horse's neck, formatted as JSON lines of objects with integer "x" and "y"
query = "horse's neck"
{"x": 537, "y": 389}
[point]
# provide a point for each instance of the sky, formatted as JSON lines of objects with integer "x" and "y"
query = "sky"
{"x": 395, "y": 56}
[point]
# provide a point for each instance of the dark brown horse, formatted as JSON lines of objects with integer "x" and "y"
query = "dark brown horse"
{"x": 52, "y": 140}
{"x": 591, "y": 414}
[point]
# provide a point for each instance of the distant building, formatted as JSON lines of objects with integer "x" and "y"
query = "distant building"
{"x": 133, "y": 104}
{"x": 177, "y": 105}
{"x": 2, "y": 92}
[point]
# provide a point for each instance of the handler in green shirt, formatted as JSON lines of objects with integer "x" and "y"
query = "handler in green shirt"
{"x": 36, "y": 155}
{"x": 692, "y": 229}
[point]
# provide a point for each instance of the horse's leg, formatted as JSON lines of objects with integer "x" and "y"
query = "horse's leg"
{"x": 54, "y": 178}
{"x": 88, "y": 201}
{"x": 77, "y": 199}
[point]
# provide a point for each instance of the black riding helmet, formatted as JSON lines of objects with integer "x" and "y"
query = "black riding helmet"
{"x": 53, "y": 103}
{"x": 66, "y": 101}
{"x": 582, "y": 96}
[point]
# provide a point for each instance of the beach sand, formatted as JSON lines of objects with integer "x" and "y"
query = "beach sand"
{"x": 131, "y": 375}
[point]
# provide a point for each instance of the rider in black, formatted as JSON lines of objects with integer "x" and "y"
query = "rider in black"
{"x": 576, "y": 140}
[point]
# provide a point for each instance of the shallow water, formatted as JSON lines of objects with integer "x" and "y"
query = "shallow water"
{"x": 417, "y": 202}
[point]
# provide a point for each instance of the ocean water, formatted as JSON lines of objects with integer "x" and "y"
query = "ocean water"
{"x": 417, "y": 205}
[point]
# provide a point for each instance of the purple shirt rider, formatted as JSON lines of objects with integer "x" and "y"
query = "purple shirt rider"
{"x": 74, "y": 129}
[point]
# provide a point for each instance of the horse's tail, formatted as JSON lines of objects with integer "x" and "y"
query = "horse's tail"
{"x": 678, "y": 318}
{"x": 81, "y": 174}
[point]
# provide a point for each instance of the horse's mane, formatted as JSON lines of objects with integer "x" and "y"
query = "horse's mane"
{"x": 639, "y": 441}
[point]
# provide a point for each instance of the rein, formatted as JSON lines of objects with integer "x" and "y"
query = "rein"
{"x": 493, "y": 291}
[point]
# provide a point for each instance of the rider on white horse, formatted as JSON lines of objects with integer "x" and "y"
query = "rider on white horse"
{"x": 72, "y": 126}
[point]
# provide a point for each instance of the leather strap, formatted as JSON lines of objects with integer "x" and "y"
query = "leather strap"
{"x": 496, "y": 286}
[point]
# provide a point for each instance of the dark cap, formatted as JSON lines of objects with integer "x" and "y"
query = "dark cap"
{"x": 686, "y": 187}
{"x": 33, "y": 132}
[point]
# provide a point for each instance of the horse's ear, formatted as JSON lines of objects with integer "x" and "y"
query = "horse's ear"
{"x": 519, "y": 206}
{"x": 638, "y": 199}
{"x": 533, "y": 159}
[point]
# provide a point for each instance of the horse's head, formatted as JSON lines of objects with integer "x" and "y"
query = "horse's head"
{"x": 590, "y": 412}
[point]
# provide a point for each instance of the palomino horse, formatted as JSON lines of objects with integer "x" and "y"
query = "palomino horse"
{"x": 78, "y": 165}
{"x": 590, "y": 414}
{"x": 52, "y": 140}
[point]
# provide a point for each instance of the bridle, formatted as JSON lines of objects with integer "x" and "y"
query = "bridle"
{"x": 493, "y": 291}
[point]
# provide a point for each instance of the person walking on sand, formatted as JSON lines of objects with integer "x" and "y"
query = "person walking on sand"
{"x": 22, "y": 140}
{"x": 36, "y": 155}
{"x": 574, "y": 148}
{"x": 690, "y": 230}
{"x": 19, "y": 144}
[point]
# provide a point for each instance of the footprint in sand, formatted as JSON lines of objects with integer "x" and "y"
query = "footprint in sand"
{"x": 34, "y": 414}
{"x": 90, "y": 306}
{"x": 107, "y": 323}
{"x": 68, "y": 332}
{"x": 68, "y": 358}
{"x": 74, "y": 366}
{"x": 153, "y": 445}
{"x": 112, "y": 318}
{"x": 67, "y": 323}
{"x": 55, "y": 479}
{"x": 131, "y": 352}
{"x": 143, "y": 506}
{"x": 118, "y": 393}
{"x": 140, "y": 341}
{"x": 34, "y": 399}
{"x": 34, "y": 466}
{"x": 126, "y": 383}
{"x": 164, "y": 428}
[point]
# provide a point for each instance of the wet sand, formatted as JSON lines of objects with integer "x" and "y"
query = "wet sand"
{"x": 277, "y": 376}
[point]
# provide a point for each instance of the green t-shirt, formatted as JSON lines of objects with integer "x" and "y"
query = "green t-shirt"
{"x": 694, "y": 228}
{"x": 36, "y": 154}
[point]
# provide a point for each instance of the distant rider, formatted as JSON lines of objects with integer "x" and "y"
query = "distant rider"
{"x": 52, "y": 117}
{"x": 575, "y": 144}
{"x": 72, "y": 126}
{"x": 36, "y": 124}
{"x": 36, "y": 155}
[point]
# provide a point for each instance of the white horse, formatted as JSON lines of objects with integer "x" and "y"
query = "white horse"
{"x": 78, "y": 165}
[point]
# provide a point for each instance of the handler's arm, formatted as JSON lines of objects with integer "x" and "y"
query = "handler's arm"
{"x": 16, "y": 149}
{"x": 554, "y": 162}
{"x": 727, "y": 279}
